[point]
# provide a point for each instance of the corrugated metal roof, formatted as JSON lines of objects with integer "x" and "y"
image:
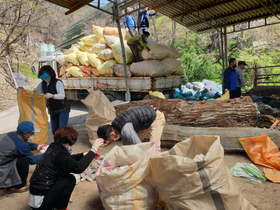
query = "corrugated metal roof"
{"x": 203, "y": 16}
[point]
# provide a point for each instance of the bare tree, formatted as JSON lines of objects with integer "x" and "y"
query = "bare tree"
{"x": 19, "y": 20}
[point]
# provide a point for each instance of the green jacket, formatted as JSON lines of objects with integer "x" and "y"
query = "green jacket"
{"x": 139, "y": 42}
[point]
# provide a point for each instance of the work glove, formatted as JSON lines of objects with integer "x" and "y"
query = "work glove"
{"x": 246, "y": 88}
{"x": 48, "y": 95}
{"x": 151, "y": 52}
{"x": 97, "y": 144}
{"x": 226, "y": 90}
{"x": 97, "y": 155}
{"x": 42, "y": 148}
{"x": 126, "y": 29}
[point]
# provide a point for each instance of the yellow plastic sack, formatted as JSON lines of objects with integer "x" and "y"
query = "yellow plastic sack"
{"x": 84, "y": 47}
{"x": 98, "y": 48}
{"x": 131, "y": 187}
{"x": 223, "y": 97}
{"x": 32, "y": 107}
{"x": 157, "y": 94}
{"x": 82, "y": 58}
{"x": 117, "y": 52}
{"x": 105, "y": 68}
{"x": 98, "y": 31}
{"x": 262, "y": 151}
{"x": 73, "y": 49}
{"x": 185, "y": 183}
{"x": 95, "y": 61}
{"x": 89, "y": 40}
{"x": 75, "y": 71}
{"x": 72, "y": 58}
{"x": 101, "y": 112}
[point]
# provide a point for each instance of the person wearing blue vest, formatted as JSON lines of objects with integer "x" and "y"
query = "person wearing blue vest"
{"x": 230, "y": 79}
{"x": 129, "y": 23}
{"x": 143, "y": 20}
{"x": 15, "y": 157}
{"x": 57, "y": 103}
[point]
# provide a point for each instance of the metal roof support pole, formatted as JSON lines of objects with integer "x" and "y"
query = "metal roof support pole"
{"x": 116, "y": 12}
{"x": 226, "y": 48}
{"x": 223, "y": 59}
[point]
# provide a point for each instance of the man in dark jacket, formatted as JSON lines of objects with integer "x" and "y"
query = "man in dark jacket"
{"x": 230, "y": 79}
{"x": 15, "y": 157}
{"x": 129, "y": 23}
{"x": 143, "y": 20}
{"x": 133, "y": 125}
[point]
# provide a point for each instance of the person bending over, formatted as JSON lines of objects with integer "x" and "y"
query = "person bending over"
{"x": 133, "y": 125}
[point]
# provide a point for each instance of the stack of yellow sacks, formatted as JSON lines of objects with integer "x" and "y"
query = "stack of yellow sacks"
{"x": 95, "y": 54}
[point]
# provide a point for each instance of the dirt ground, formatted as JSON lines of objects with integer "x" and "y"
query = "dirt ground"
{"x": 86, "y": 197}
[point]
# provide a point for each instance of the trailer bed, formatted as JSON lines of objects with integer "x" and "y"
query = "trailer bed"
{"x": 136, "y": 84}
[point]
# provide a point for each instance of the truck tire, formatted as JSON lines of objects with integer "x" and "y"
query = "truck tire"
{"x": 110, "y": 97}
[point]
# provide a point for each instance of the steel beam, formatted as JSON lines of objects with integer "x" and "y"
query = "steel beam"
{"x": 203, "y": 7}
{"x": 233, "y": 13}
{"x": 238, "y": 22}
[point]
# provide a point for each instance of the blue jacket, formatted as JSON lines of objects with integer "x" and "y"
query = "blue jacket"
{"x": 141, "y": 15}
{"x": 12, "y": 146}
{"x": 230, "y": 79}
{"x": 24, "y": 148}
{"x": 126, "y": 20}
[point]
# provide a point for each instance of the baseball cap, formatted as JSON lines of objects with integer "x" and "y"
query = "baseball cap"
{"x": 242, "y": 63}
{"x": 45, "y": 75}
{"x": 26, "y": 127}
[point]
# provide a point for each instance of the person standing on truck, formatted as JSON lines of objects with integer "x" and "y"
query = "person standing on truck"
{"x": 57, "y": 103}
{"x": 129, "y": 23}
{"x": 15, "y": 157}
{"x": 133, "y": 125}
{"x": 143, "y": 20}
{"x": 51, "y": 184}
{"x": 137, "y": 44}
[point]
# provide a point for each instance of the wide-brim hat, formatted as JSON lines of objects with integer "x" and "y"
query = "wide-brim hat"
{"x": 242, "y": 63}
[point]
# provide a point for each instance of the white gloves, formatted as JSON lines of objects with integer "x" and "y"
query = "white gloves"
{"x": 97, "y": 144}
{"x": 151, "y": 52}
{"x": 246, "y": 88}
{"x": 126, "y": 29}
{"x": 48, "y": 95}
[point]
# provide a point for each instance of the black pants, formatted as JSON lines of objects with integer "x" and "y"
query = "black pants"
{"x": 135, "y": 52}
{"x": 132, "y": 31}
{"x": 59, "y": 194}
{"x": 23, "y": 169}
{"x": 233, "y": 94}
{"x": 238, "y": 91}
